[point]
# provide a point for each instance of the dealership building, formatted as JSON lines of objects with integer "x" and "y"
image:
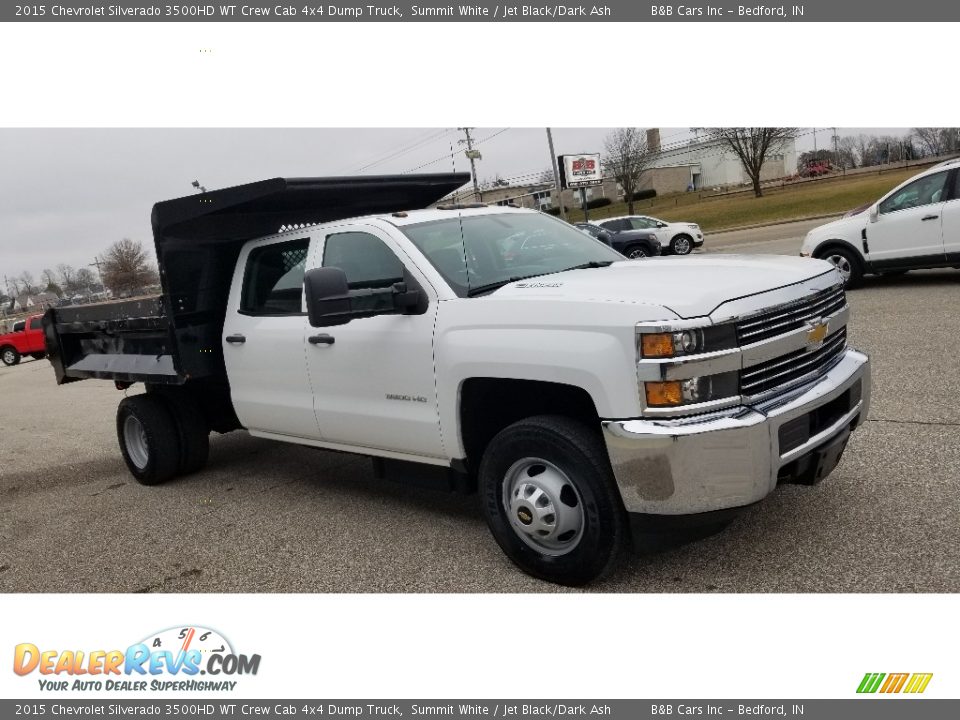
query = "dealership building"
{"x": 697, "y": 164}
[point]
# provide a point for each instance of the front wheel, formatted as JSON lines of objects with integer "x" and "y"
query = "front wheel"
{"x": 9, "y": 356}
{"x": 681, "y": 245}
{"x": 849, "y": 267}
{"x": 550, "y": 500}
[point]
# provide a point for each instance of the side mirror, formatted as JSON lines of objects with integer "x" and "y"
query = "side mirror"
{"x": 328, "y": 296}
{"x": 604, "y": 237}
{"x": 330, "y": 301}
{"x": 874, "y": 213}
{"x": 661, "y": 224}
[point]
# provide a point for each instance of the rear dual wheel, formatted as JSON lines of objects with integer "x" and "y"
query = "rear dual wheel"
{"x": 161, "y": 436}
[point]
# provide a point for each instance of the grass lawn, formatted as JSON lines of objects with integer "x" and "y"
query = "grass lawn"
{"x": 833, "y": 195}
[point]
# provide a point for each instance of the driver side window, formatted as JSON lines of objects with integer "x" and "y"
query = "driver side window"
{"x": 925, "y": 191}
{"x": 365, "y": 259}
{"x": 641, "y": 223}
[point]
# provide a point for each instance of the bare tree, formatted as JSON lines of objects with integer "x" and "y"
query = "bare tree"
{"x": 627, "y": 158}
{"x": 85, "y": 280}
{"x": 67, "y": 276}
{"x": 126, "y": 267}
{"x": 50, "y": 282}
{"x": 848, "y": 151}
{"x": 27, "y": 284}
{"x": 752, "y": 146}
{"x": 931, "y": 140}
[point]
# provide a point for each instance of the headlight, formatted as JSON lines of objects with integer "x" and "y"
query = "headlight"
{"x": 674, "y": 393}
{"x": 687, "y": 342}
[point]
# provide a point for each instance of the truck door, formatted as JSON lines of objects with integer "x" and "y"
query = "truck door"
{"x": 264, "y": 334}
{"x": 908, "y": 227}
{"x": 373, "y": 378}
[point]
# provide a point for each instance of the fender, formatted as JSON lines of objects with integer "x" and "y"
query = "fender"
{"x": 823, "y": 247}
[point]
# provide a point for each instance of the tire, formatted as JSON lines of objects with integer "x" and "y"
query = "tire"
{"x": 681, "y": 245}
{"x": 635, "y": 252}
{"x": 550, "y": 500}
{"x": 193, "y": 431}
{"x": 149, "y": 439}
{"x": 9, "y": 356}
{"x": 847, "y": 262}
{"x": 38, "y": 356}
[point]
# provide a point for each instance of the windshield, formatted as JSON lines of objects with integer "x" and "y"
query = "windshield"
{"x": 481, "y": 252}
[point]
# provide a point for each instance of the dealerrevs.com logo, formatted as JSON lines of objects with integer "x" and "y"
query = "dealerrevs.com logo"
{"x": 172, "y": 659}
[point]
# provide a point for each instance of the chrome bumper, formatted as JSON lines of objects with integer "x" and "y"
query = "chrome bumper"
{"x": 728, "y": 459}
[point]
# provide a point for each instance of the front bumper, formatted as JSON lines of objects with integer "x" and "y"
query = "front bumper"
{"x": 731, "y": 459}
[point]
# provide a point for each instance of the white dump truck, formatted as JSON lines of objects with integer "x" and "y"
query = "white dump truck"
{"x": 579, "y": 393}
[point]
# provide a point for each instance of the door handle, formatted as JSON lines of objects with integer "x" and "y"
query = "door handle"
{"x": 236, "y": 339}
{"x": 929, "y": 217}
{"x": 323, "y": 339}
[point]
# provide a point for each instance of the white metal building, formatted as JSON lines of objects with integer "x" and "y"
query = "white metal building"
{"x": 712, "y": 164}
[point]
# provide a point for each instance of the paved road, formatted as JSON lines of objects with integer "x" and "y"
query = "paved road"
{"x": 280, "y": 518}
{"x": 783, "y": 239}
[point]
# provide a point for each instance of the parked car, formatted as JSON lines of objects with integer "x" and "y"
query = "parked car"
{"x": 915, "y": 225}
{"x": 676, "y": 238}
{"x": 26, "y": 338}
{"x": 633, "y": 244}
{"x": 577, "y": 391}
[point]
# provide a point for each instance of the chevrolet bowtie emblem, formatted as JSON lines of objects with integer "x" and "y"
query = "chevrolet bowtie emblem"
{"x": 816, "y": 334}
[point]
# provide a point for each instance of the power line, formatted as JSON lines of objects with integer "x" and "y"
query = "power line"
{"x": 420, "y": 142}
{"x": 451, "y": 154}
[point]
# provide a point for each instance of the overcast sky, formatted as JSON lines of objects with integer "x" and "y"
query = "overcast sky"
{"x": 66, "y": 195}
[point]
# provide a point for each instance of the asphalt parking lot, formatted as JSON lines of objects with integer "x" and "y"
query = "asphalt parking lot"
{"x": 267, "y": 517}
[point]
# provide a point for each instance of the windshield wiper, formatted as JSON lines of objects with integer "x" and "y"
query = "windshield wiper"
{"x": 589, "y": 265}
{"x": 490, "y": 287}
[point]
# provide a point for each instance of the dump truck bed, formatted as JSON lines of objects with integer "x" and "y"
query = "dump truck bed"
{"x": 174, "y": 338}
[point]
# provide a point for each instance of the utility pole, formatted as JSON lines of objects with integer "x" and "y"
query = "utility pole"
{"x": 836, "y": 152}
{"x": 96, "y": 264}
{"x": 473, "y": 156}
{"x": 556, "y": 173}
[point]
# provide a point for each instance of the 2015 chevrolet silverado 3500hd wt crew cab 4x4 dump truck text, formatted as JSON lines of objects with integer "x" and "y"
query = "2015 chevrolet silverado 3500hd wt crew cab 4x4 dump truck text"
{"x": 575, "y": 389}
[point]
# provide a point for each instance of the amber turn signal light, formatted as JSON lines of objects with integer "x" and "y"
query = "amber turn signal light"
{"x": 657, "y": 345}
{"x": 663, "y": 394}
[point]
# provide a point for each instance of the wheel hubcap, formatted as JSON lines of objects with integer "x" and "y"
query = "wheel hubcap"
{"x": 637, "y": 253}
{"x": 8, "y": 357}
{"x": 543, "y": 506}
{"x": 681, "y": 246}
{"x": 842, "y": 264}
{"x": 135, "y": 438}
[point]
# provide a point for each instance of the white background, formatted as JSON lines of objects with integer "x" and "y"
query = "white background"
{"x": 494, "y": 75}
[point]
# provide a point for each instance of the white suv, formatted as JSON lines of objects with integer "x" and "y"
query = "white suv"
{"x": 915, "y": 225}
{"x": 676, "y": 238}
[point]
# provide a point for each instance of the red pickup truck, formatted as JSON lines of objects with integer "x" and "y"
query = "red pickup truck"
{"x": 26, "y": 338}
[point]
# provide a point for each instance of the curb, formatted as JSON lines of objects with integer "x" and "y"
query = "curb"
{"x": 772, "y": 223}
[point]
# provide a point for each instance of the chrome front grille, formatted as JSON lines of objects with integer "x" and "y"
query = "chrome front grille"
{"x": 784, "y": 318}
{"x": 793, "y": 368}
